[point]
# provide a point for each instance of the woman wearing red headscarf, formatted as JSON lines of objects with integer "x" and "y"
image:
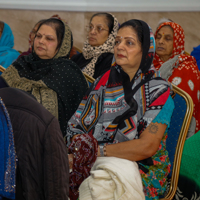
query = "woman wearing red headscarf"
{"x": 175, "y": 65}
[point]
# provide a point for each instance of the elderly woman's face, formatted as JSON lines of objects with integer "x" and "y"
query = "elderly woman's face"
{"x": 164, "y": 43}
{"x": 98, "y": 31}
{"x": 46, "y": 42}
{"x": 127, "y": 50}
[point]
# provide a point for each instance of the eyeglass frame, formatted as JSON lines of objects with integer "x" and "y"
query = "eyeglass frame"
{"x": 93, "y": 27}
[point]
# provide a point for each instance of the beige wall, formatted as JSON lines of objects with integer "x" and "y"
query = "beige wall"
{"x": 22, "y": 21}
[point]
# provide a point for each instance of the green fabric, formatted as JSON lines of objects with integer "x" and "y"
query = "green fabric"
{"x": 190, "y": 162}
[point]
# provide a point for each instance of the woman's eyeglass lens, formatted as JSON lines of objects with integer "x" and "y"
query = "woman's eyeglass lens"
{"x": 99, "y": 29}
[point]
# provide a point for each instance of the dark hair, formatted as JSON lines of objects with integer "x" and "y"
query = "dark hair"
{"x": 136, "y": 26}
{"x": 1, "y": 25}
{"x": 38, "y": 23}
{"x": 109, "y": 19}
{"x": 59, "y": 27}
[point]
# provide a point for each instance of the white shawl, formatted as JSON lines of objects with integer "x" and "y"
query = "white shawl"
{"x": 112, "y": 179}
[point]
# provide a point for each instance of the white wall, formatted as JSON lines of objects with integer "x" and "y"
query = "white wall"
{"x": 103, "y": 5}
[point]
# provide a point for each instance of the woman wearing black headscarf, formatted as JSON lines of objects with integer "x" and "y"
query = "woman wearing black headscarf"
{"x": 47, "y": 73}
{"x": 124, "y": 117}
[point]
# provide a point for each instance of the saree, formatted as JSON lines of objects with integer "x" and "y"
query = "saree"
{"x": 7, "y": 155}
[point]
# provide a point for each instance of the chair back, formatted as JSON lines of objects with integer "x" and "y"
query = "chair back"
{"x": 89, "y": 79}
{"x": 180, "y": 122}
{"x": 2, "y": 69}
{"x": 77, "y": 50}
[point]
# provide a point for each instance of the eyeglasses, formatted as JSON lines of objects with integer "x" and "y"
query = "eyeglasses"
{"x": 99, "y": 29}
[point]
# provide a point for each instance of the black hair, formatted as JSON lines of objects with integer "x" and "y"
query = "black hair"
{"x": 137, "y": 27}
{"x": 1, "y": 25}
{"x": 39, "y": 22}
{"x": 59, "y": 27}
{"x": 109, "y": 19}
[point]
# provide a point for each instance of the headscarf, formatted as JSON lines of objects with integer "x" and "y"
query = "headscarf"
{"x": 181, "y": 69}
{"x": 59, "y": 74}
{"x": 7, "y": 53}
{"x": 7, "y": 155}
{"x": 178, "y": 45}
{"x": 94, "y": 52}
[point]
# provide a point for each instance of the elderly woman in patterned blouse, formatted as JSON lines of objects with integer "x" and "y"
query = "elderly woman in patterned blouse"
{"x": 124, "y": 117}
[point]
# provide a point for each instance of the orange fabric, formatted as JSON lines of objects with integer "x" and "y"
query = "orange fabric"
{"x": 186, "y": 76}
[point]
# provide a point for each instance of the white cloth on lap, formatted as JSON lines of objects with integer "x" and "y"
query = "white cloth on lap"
{"x": 112, "y": 179}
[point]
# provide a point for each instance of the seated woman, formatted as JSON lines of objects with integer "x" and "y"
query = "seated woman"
{"x": 7, "y": 53}
{"x": 175, "y": 66}
{"x": 47, "y": 73}
{"x": 128, "y": 111}
{"x": 97, "y": 53}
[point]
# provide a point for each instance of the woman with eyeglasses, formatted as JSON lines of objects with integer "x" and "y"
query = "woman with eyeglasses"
{"x": 98, "y": 49}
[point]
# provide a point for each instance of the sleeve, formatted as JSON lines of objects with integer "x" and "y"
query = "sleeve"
{"x": 56, "y": 167}
{"x": 164, "y": 116}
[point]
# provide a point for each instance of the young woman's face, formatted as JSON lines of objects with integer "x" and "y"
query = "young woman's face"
{"x": 46, "y": 42}
{"x": 98, "y": 31}
{"x": 164, "y": 43}
{"x": 127, "y": 50}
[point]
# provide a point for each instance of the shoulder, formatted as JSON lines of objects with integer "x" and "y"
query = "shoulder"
{"x": 187, "y": 61}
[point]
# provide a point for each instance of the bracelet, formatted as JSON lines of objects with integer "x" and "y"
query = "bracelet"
{"x": 101, "y": 148}
{"x": 104, "y": 150}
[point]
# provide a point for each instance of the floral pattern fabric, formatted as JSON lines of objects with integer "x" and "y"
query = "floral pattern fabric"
{"x": 155, "y": 181}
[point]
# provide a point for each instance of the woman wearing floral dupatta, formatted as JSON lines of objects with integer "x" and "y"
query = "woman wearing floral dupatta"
{"x": 124, "y": 115}
{"x": 175, "y": 66}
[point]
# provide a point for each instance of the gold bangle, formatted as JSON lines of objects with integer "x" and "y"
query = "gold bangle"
{"x": 104, "y": 150}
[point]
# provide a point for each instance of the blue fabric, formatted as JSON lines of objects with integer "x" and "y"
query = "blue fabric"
{"x": 7, "y": 156}
{"x": 7, "y": 54}
{"x": 196, "y": 54}
{"x": 175, "y": 127}
{"x": 164, "y": 116}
